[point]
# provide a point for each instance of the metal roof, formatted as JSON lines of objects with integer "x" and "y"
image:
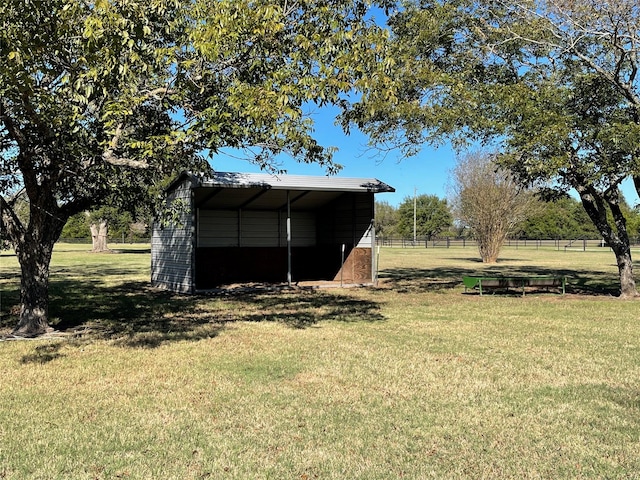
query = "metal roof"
{"x": 263, "y": 191}
{"x": 293, "y": 182}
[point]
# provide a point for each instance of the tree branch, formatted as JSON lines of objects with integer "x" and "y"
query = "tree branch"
{"x": 569, "y": 33}
{"x": 110, "y": 157}
{"x": 9, "y": 220}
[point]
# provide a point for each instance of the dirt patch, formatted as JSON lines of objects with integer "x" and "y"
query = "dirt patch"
{"x": 240, "y": 288}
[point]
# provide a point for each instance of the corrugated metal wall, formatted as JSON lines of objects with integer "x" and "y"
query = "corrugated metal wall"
{"x": 172, "y": 247}
{"x": 251, "y": 245}
{"x": 347, "y": 221}
{"x": 254, "y": 228}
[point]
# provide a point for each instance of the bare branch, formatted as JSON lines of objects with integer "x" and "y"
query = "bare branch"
{"x": 109, "y": 155}
{"x": 569, "y": 31}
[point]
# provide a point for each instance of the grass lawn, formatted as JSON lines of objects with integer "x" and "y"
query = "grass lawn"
{"x": 414, "y": 379}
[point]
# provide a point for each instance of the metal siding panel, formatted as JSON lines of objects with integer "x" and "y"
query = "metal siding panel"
{"x": 172, "y": 247}
{"x": 366, "y": 240}
{"x": 363, "y": 220}
{"x": 217, "y": 228}
{"x": 303, "y": 230}
{"x": 260, "y": 229}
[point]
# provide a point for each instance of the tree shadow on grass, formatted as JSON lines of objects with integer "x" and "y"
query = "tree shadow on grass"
{"x": 306, "y": 307}
{"x": 134, "y": 315}
{"x": 138, "y": 251}
{"x": 44, "y": 353}
{"x": 416, "y": 280}
{"x": 131, "y": 314}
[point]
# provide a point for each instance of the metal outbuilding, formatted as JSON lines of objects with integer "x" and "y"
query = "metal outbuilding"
{"x": 245, "y": 228}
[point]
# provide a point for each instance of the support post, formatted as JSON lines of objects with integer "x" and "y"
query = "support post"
{"x": 342, "y": 265}
{"x": 289, "y": 238}
{"x": 374, "y": 258}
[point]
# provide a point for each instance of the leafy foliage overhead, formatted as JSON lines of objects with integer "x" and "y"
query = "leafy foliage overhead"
{"x": 108, "y": 94}
{"x": 500, "y": 71}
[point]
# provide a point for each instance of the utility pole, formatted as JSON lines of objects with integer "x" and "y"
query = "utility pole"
{"x": 415, "y": 237}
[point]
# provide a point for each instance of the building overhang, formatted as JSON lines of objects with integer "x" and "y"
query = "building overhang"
{"x": 262, "y": 191}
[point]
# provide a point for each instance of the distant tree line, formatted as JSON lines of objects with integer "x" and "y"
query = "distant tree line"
{"x": 556, "y": 218}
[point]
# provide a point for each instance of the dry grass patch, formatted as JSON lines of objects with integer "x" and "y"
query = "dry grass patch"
{"x": 411, "y": 380}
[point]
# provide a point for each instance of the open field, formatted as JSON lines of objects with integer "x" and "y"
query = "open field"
{"x": 414, "y": 379}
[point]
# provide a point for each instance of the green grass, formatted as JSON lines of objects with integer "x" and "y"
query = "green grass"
{"x": 414, "y": 379}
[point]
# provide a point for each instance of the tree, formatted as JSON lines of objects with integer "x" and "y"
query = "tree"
{"x": 386, "y": 220}
{"x": 102, "y": 221}
{"x": 553, "y": 84}
{"x": 432, "y": 216}
{"x": 584, "y": 107}
{"x": 120, "y": 225}
{"x": 76, "y": 227}
{"x": 490, "y": 201}
{"x": 103, "y": 101}
{"x": 558, "y": 218}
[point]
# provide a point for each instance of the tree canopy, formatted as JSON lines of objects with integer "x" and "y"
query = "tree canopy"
{"x": 558, "y": 218}
{"x": 386, "y": 219}
{"x": 432, "y": 216}
{"x": 103, "y": 101}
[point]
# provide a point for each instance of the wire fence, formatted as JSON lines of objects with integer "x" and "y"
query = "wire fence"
{"x": 110, "y": 240}
{"x": 582, "y": 244}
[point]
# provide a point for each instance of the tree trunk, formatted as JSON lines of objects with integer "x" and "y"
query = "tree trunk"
{"x": 34, "y": 257}
{"x": 99, "y": 234}
{"x": 625, "y": 270}
{"x": 622, "y": 251}
{"x": 490, "y": 241}
{"x": 33, "y": 245}
{"x": 618, "y": 238}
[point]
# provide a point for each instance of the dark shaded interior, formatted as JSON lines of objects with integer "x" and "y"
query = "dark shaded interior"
{"x": 216, "y": 266}
{"x": 341, "y": 219}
